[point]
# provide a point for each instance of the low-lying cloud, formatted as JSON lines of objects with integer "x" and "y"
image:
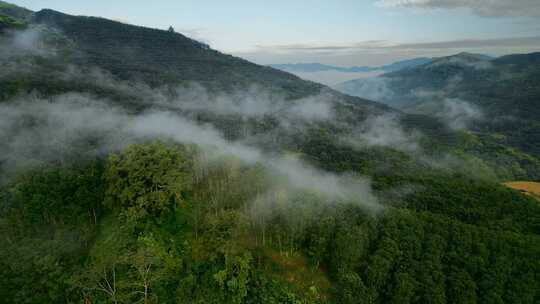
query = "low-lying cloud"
{"x": 30, "y": 41}
{"x": 459, "y": 114}
{"x": 253, "y": 102}
{"x": 375, "y": 88}
{"x": 39, "y": 131}
{"x": 384, "y": 131}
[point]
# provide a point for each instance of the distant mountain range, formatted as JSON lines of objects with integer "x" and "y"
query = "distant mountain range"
{"x": 318, "y": 67}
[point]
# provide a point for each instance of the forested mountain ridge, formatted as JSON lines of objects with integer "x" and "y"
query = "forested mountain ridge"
{"x": 183, "y": 175}
{"x": 501, "y": 95}
{"x": 131, "y": 51}
{"x": 505, "y": 90}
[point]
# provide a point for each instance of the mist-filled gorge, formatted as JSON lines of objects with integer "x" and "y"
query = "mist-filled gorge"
{"x": 139, "y": 165}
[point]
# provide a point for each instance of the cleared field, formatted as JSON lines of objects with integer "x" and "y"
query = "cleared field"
{"x": 529, "y": 188}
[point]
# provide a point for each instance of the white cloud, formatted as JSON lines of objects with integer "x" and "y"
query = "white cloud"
{"x": 487, "y": 8}
{"x": 384, "y": 131}
{"x": 459, "y": 114}
{"x": 69, "y": 127}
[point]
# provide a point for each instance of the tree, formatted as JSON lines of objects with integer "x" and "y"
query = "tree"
{"x": 152, "y": 263}
{"x": 234, "y": 279}
{"x": 148, "y": 179}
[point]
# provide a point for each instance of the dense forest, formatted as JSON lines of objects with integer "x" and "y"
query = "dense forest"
{"x": 160, "y": 223}
{"x": 121, "y": 181}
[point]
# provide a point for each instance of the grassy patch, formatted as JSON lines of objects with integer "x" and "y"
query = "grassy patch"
{"x": 528, "y": 188}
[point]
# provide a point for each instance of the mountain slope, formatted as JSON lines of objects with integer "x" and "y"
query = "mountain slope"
{"x": 376, "y": 88}
{"x": 13, "y": 11}
{"x": 159, "y": 58}
{"x": 130, "y": 51}
{"x": 504, "y": 90}
{"x": 12, "y": 16}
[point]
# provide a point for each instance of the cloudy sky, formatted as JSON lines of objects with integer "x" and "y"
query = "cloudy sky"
{"x": 339, "y": 32}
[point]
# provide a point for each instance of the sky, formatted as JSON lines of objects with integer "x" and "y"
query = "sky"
{"x": 337, "y": 32}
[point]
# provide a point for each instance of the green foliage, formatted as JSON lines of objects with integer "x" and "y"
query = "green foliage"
{"x": 159, "y": 57}
{"x": 148, "y": 180}
{"x": 7, "y": 22}
{"x": 14, "y": 12}
{"x": 160, "y": 224}
{"x": 506, "y": 92}
{"x": 47, "y": 222}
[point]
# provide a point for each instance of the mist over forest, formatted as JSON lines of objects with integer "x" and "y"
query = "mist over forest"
{"x": 138, "y": 165}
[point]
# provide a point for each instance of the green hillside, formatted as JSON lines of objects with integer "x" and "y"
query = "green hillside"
{"x": 12, "y": 16}
{"x": 16, "y": 12}
{"x": 101, "y": 232}
{"x": 159, "y": 56}
{"x": 505, "y": 90}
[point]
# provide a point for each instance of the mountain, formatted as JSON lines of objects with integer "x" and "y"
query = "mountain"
{"x": 376, "y": 88}
{"x": 140, "y": 166}
{"x": 317, "y": 67}
{"x": 137, "y": 52}
{"x": 502, "y": 89}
